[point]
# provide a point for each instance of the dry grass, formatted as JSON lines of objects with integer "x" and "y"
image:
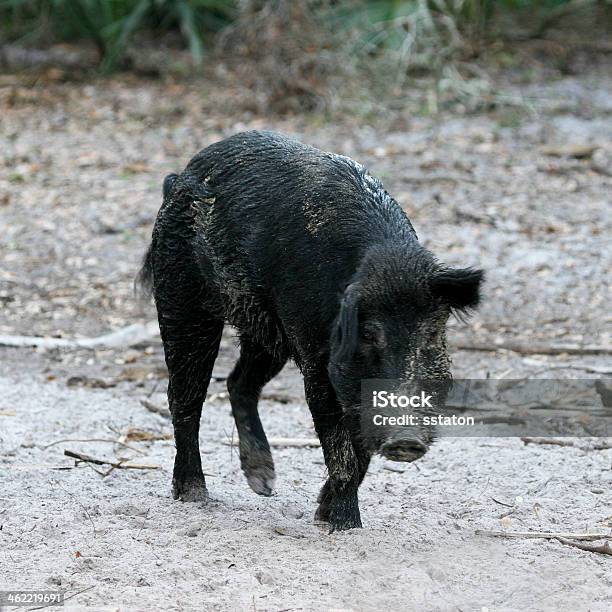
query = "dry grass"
{"x": 285, "y": 54}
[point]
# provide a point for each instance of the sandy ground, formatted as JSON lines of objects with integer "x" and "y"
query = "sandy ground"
{"x": 82, "y": 166}
{"x": 123, "y": 539}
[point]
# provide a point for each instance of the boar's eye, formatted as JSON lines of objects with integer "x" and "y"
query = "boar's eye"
{"x": 373, "y": 333}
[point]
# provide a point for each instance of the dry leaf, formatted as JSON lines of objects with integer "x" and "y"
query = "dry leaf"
{"x": 140, "y": 435}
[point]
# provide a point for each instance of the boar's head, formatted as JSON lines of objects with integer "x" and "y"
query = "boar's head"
{"x": 391, "y": 325}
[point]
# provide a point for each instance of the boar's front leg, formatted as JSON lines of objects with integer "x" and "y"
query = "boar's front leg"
{"x": 342, "y": 507}
{"x": 254, "y": 369}
{"x": 325, "y": 495}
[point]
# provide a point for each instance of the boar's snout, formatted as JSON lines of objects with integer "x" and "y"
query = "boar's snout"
{"x": 403, "y": 449}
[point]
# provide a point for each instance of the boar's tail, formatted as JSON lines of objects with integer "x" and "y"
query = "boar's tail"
{"x": 143, "y": 283}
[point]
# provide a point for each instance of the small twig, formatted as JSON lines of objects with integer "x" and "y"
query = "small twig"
{"x": 392, "y": 468}
{"x": 153, "y": 389}
{"x": 120, "y": 465}
{"x": 93, "y": 526}
{"x": 144, "y": 520}
{"x": 41, "y": 466}
{"x": 598, "y": 446}
{"x": 281, "y": 398}
{"x": 151, "y": 407}
{"x": 283, "y": 442}
{"x": 571, "y": 150}
{"x": 102, "y": 473}
{"x": 602, "y": 445}
{"x": 126, "y": 336}
{"x": 512, "y": 510}
{"x": 109, "y": 441}
{"x": 501, "y": 503}
{"x": 551, "y": 441}
{"x": 86, "y": 458}
{"x": 65, "y": 598}
{"x": 603, "y": 549}
{"x": 534, "y": 349}
{"x": 436, "y": 178}
{"x": 140, "y": 435}
{"x": 592, "y": 369}
{"x": 541, "y": 534}
{"x": 78, "y": 593}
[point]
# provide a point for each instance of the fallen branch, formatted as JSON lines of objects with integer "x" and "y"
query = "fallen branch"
{"x": 282, "y": 442}
{"x": 154, "y": 408}
{"x": 531, "y": 349}
{"x": 107, "y": 440}
{"x": 571, "y": 150}
{"x": 126, "y": 336}
{"x": 7, "y": 413}
{"x": 119, "y": 465}
{"x": 551, "y": 441}
{"x": 16, "y": 57}
{"x": 603, "y": 549}
{"x": 542, "y": 534}
{"x": 592, "y": 369}
{"x": 599, "y": 445}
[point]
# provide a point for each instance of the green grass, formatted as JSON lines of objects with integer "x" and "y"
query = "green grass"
{"x": 112, "y": 24}
{"x": 417, "y": 30}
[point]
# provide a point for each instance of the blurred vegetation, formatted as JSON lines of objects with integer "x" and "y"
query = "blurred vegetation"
{"x": 111, "y": 24}
{"x": 296, "y": 54}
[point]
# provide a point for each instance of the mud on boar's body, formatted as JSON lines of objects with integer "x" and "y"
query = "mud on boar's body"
{"x": 310, "y": 259}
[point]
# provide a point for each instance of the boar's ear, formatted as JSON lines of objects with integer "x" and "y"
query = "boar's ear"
{"x": 168, "y": 184}
{"x": 458, "y": 287}
{"x": 346, "y": 327}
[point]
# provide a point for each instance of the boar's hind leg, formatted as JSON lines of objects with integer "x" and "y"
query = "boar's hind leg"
{"x": 341, "y": 507}
{"x": 191, "y": 338}
{"x": 253, "y": 370}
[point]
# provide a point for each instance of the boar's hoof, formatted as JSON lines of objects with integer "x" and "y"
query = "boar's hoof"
{"x": 403, "y": 450}
{"x": 324, "y": 499}
{"x": 323, "y": 512}
{"x": 338, "y": 513}
{"x": 190, "y": 490}
{"x": 261, "y": 479}
{"x": 342, "y": 522}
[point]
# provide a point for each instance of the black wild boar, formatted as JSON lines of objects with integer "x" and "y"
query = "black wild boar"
{"x": 310, "y": 259}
